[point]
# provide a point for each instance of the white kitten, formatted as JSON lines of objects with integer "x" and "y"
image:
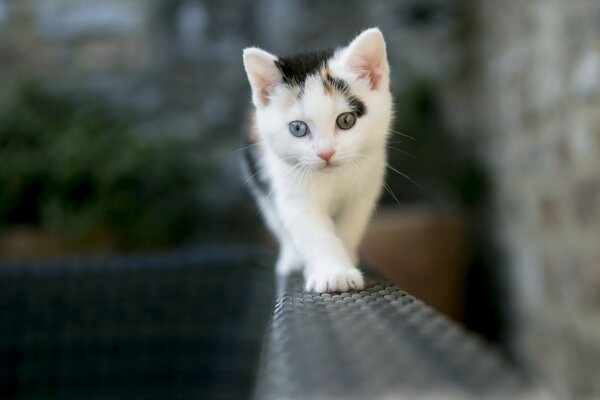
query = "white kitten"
{"x": 317, "y": 164}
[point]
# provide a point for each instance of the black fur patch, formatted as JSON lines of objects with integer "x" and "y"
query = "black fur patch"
{"x": 295, "y": 69}
{"x": 338, "y": 84}
{"x": 342, "y": 86}
{"x": 359, "y": 107}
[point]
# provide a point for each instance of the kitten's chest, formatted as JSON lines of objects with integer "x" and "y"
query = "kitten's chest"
{"x": 335, "y": 191}
{"x": 329, "y": 191}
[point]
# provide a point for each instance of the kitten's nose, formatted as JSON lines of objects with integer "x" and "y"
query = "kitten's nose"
{"x": 326, "y": 155}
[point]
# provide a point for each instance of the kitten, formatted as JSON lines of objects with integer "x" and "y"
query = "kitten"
{"x": 316, "y": 158}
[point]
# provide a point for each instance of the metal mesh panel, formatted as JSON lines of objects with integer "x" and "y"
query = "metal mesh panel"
{"x": 186, "y": 325}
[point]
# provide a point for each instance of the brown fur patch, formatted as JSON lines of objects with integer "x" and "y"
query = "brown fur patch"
{"x": 327, "y": 87}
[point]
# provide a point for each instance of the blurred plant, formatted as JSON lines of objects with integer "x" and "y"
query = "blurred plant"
{"x": 74, "y": 167}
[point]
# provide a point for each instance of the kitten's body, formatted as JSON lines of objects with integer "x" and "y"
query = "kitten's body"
{"x": 318, "y": 191}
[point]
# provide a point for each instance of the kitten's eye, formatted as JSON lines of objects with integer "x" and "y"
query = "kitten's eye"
{"x": 346, "y": 120}
{"x": 298, "y": 128}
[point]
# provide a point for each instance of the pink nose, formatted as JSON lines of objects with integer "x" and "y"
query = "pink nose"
{"x": 326, "y": 155}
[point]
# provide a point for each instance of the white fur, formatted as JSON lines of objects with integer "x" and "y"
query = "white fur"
{"x": 319, "y": 214}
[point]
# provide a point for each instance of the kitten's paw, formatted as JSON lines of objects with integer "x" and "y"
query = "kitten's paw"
{"x": 339, "y": 280}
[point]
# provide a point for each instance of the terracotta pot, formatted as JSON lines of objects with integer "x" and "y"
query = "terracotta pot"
{"x": 25, "y": 243}
{"x": 424, "y": 251}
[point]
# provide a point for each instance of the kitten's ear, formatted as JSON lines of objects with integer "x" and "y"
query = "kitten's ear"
{"x": 367, "y": 57}
{"x": 262, "y": 73}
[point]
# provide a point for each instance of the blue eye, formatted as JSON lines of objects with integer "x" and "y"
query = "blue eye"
{"x": 298, "y": 128}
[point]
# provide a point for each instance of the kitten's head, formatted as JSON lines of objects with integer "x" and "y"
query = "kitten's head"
{"x": 323, "y": 110}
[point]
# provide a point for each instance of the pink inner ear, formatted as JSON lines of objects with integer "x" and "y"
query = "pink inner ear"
{"x": 263, "y": 93}
{"x": 265, "y": 86}
{"x": 369, "y": 70}
{"x": 372, "y": 74}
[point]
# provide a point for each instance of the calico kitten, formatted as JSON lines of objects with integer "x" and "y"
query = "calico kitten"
{"x": 316, "y": 158}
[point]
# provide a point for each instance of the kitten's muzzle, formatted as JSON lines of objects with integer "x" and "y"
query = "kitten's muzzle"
{"x": 326, "y": 155}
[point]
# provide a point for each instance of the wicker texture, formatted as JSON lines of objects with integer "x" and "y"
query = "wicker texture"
{"x": 371, "y": 344}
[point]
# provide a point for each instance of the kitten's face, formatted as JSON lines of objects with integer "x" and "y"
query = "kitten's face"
{"x": 323, "y": 110}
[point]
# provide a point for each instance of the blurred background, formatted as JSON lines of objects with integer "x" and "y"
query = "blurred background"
{"x": 120, "y": 122}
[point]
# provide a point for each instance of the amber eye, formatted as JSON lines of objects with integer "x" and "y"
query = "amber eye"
{"x": 345, "y": 120}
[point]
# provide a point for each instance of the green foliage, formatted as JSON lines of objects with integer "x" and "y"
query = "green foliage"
{"x": 73, "y": 167}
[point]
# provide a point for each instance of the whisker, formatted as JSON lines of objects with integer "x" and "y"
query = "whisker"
{"x": 405, "y": 135}
{"x": 403, "y": 175}
{"x": 284, "y": 176}
{"x": 260, "y": 208}
{"x": 268, "y": 196}
{"x": 361, "y": 155}
{"x": 309, "y": 176}
{"x": 249, "y": 146}
{"x": 401, "y": 151}
{"x": 389, "y": 190}
{"x": 252, "y": 176}
{"x": 353, "y": 169}
{"x": 285, "y": 158}
{"x": 300, "y": 181}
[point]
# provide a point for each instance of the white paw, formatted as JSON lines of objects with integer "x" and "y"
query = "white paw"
{"x": 337, "y": 280}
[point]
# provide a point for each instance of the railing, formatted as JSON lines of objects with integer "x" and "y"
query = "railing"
{"x": 378, "y": 343}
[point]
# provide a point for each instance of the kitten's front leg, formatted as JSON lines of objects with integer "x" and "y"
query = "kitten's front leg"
{"x": 288, "y": 260}
{"x": 353, "y": 220}
{"x": 328, "y": 267}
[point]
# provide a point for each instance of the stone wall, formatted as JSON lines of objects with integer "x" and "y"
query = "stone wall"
{"x": 538, "y": 111}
